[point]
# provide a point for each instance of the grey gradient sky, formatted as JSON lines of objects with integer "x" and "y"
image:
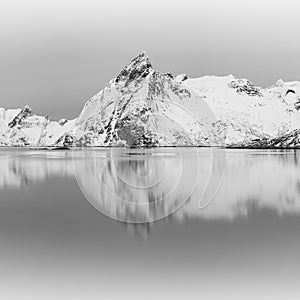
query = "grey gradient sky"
{"x": 57, "y": 54}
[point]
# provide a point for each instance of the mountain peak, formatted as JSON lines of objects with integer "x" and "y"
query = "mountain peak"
{"x": 140, "y": 66}
{"x": 141, "y": 58}
{"x": 23, "y": 114}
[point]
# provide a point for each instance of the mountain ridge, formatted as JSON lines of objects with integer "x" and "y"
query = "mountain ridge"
{"x": 142, "y": 107}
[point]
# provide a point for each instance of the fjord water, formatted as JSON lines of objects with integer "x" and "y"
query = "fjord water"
{"x": 227, "y": 223}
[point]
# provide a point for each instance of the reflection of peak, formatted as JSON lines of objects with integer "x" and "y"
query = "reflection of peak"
{"x": 142, "y": 197}
{"x": 140, "y": 66}
{"x": 162, "y": 199}
{"x": 24, "y": 169}
{"x": 141, "y": 230}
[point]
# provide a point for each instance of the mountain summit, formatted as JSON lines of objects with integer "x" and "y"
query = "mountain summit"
{"x": 139, "y": 67}
{"x": 142, "y": 107}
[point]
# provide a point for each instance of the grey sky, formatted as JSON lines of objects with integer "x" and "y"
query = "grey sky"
{"x": 57, "y": 54}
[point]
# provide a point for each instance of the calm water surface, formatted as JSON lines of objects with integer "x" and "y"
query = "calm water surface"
{"x": 72, "y": 224}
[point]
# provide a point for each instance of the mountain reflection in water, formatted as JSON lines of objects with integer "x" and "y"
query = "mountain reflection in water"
{"x": 145, "y": 185}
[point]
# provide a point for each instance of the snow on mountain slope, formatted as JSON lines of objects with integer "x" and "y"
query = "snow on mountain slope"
{"x": 21, "y": 127}
{"x": 246, "y": 112}
{"x": 142, "y": 107}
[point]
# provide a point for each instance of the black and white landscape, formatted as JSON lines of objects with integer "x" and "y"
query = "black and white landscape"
{"x": 179, "y": 178}
{"x": 145, "y": 108}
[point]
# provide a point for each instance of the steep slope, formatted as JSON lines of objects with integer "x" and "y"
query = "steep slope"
{"x": 142, "y": 107}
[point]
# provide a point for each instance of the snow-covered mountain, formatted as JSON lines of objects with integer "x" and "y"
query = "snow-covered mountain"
{"x": 247, "y": 113}
{"x": 21, "y": 127}
{"x": 143, "y": 107}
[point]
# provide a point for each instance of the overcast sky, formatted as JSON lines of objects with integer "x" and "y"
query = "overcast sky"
{"x": 56, "y": 54}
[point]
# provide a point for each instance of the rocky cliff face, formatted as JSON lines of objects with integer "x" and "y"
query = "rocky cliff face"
{"x": 289, "y": 140}
{"x": 142, "y": 107}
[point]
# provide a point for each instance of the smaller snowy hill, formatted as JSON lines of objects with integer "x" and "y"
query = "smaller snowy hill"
{"x": 247, "y": 113}
{"x": 21, "y": 127}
